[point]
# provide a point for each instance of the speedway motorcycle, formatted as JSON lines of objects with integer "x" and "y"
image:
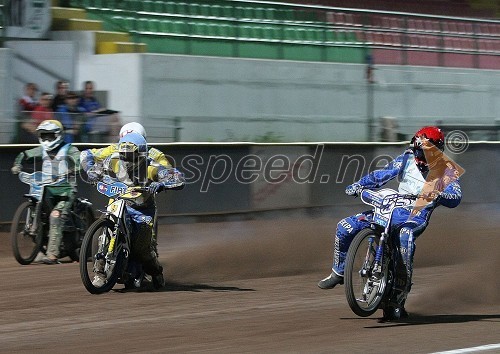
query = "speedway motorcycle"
{"x": 30, "y": 226}
{"x": 106, "y": 248}
{"x": 370, "y": 273}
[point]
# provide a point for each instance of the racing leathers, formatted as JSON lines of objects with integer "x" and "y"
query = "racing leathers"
{"x": 89, "y": 158}
{"x": 141, "y": 211}
{"x": 408, "y": 222}
{"x": 63, "y": 161}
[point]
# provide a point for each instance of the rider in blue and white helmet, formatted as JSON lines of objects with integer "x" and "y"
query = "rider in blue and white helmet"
{"x": 132, "y": 166}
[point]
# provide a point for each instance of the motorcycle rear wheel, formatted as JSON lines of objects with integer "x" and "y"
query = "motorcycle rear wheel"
{"x": 91, "y": 247}
{"x": 26, "y": 243}
{"x": 364, "y": 291}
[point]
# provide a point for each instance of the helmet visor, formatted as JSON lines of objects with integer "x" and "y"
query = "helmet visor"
{"x": 47, "y": 136}
{"x": 128, "y": 151}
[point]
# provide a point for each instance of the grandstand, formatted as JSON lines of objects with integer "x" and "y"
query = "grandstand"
{"x": 273, "y": 30}
{"x": 441, "y": 34}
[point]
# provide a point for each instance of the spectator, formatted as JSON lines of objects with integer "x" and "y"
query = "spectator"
{"x": 27, "y": 103}
{"x": 100, "y": 120}
{"x": 44, "y": 110}
{"x": 62, "y": 88}
{"x": 71, "y": 116}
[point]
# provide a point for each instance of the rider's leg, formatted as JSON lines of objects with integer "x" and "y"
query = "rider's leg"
{"x": 143, "y": 248}
{"x": 55, "y": 235}
{"x": 346, "y": 230}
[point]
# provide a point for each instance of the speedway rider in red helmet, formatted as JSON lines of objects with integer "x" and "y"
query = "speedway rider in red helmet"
{"x": 419, "y": 164}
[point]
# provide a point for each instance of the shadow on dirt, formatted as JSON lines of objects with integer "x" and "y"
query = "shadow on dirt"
{"x": 416, "y": 319}
{"x": 174, "y": 286}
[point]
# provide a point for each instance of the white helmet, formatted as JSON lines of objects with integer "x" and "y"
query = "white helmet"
{"x": 50, "y": 134}
{"x": 133, "y": 127}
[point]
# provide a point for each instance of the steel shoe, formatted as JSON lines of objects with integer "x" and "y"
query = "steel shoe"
{"x": 331, "y": 281}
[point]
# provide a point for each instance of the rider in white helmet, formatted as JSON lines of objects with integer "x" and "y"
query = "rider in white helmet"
{"x": 54, "y": 156}
{"x": 92, "y": 156}
{"x": 131, "y": 166}
{"x": 133, "y": 127}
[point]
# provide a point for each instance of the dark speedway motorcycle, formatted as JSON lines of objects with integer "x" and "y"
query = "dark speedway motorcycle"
{"x": 108, "y": 240}
{"x": 370, "y": 273}
{"x": 30, "y": 226}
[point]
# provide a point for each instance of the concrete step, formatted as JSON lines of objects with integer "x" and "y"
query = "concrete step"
{"x": 108, "y": 36}
{"x": 75, "y": 24}
{"x": 120, "y": 47}
{"x": 68, "y": 12}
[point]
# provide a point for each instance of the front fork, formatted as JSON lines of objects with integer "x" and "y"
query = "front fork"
{"x": 379, "y": 254}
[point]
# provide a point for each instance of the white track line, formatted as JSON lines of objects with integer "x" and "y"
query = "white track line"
{"x": 471, "y": 349}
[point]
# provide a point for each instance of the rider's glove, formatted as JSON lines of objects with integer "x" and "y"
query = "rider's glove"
{"x": 155, "y": 187}
{"x": 353, "y": 189}
{"x": 93, "y": 176}
{"x": 16, "y": 169}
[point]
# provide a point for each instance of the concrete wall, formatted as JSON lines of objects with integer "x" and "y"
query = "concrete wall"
{"x": 232, "y": 99}
{"x": 228, "y": 178}
{"x": 6, "y": 95}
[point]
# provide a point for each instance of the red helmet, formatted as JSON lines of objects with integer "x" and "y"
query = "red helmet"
{"x": 418, "y": 143}
{"x": 432, "y": 134}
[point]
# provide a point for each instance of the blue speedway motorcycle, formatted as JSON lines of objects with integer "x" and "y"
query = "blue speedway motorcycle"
{"x": 370, "y": 275}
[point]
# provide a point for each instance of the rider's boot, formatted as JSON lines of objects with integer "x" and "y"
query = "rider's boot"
{"x": 99, "y": 277}
{"x": 331, "y": 281}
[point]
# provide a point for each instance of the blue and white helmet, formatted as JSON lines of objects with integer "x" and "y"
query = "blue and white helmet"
{"x": 132, "y": 146}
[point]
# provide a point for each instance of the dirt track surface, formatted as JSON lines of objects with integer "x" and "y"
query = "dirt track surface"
{"x": 246, "y": 287}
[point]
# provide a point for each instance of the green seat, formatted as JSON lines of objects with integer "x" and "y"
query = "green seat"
{"x": 271, "y": 33}
{"x": 290, "y": 34}
{"x": 215, "y": 11}
{"x": 147, "y": 6}
{"x": 194, "y": 9}
{"x": 169, "y": 7}
{"x": 205, "y": 10}
{"x": 155, "y": 26}
{"x": 199, "y": 29}
{"x": 227, "y": 11}
{"x": 158, "y": 7}
{"x": 225, "y": 31}
{"x": 181, "y": 8}
{"x": 142, "y": 25}
{"x": 250, "y": 32}
{"x": 244, "y": 12}
{"x": 175, "y": 27}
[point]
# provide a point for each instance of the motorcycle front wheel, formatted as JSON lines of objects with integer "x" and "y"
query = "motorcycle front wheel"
{"x": 26, "y": 241}
{"x": 364, "y": 289}
{"x": 92, "y": 258}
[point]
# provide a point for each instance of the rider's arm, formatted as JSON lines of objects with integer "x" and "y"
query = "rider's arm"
{"x": 380, "y": 177}
{"x": 451, "y": 196}
{"x": 88, "y": 158}
{"x": 28, "y": 154}
{"x": 159, "y": 158}
{"x": 169, "y": 177}
{"x": 74, "y": 154}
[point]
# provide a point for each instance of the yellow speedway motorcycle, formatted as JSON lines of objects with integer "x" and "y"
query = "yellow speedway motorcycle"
{"x": 106, "y": 247}
{"x": 370, "y": 274}
{"x": 30, "y": 226}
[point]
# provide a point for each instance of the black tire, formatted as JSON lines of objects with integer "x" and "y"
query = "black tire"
{"x": 88, "y": 220}
{"x": 88, "y": 251}
{"x": 363, "y": 292}
{"x": 25, "y": 246}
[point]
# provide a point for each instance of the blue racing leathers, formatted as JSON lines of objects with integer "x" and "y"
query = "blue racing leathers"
{"x": 408, "y": 224}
